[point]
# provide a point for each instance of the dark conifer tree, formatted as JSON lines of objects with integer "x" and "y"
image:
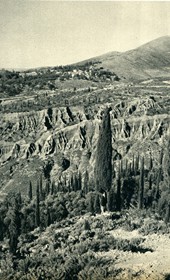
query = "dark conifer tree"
{"x": 161, "y": 157}
{"x": 79, "y": 181}
{"x": 41, "y": 188}
{"x": 103, "y": 166}
{"x": 47, "y": 188}
{"x": 150, "y": 181}
{"x": 97, "y": 208}
{"x": 52, "y": 188}
{"x": 133, "y": 165}
{"x": 91, "y": 205}
{"x": 75, "y": 183}
{"x": 86, "y": 225}
{"x": 30, "y": 191}
{"x": 14, "y": 226}
{"x": 167, "y": 213}
{"x": 126, "y": 168}
{"x": 48, "y": 218}
{"x": 141, "y": 185}
{"x": 37, "y": 207}
{"x": 158, "y": 180}
{"x": 118, "y": 189}
{"x": 166, "y": 164}
{"x": 111, "y": 201}
{"x": 86, "y": 183}
{"x": 136, "y": 164}
{"x": 2, "y": 227}
{"x": 121, "y": 169}
{"x": 150, "y": 163}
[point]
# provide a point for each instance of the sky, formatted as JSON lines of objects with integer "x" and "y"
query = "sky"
{"x": 49, "y": 33}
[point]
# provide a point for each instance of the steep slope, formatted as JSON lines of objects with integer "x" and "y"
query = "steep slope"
{"x": 148, "y": 61}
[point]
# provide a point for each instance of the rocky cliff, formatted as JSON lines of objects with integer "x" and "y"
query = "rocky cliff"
{"x": 57, "y": 142}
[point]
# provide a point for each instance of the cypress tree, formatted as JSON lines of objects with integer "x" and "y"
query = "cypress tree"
{"x": 30, "y": 191}
{"x": 86, "y": 182}
{"x": 150, "y": 181}
{"x": 136, "y": 164}
{"x": 126, "y": 168}
{"x": 118, "y": 190}
{"x": 14, "y": 226}
{"x": 79, "y": 181}
{"x": 141, "y": 184}
{"x": 75, "y": 183}
{"x": 48, "y": 218}
{"x": 52, "y": 188}
{"x": 111, "y": 200}
{"x": 158, "y": 179}
{"x": 133, "y": 165}
{"x": 167, "y": 214}
{"x": 2, "y": 227}
{"x": 97, "y": 208}
{"x": 161, "y": 158}
{"x": 37, "y": 207}
{"x": 72, "y": 183}
{"x": 150, "y": 163}
{"x": 103, "y": 166}
{"x": 47, "y": 188}
{"x": 166, "y": 164}
{"x": 41, "y": 188}
{"x": 91, "y": 205}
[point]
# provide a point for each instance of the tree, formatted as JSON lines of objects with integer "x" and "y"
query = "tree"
{"x": 86, "y": 183}
{"x": 52, "y": 188}
{"x": 133, "y": 165}
{"x": 141, "y": 185}
{"x": 48, "y": 218}
{"x": 41, "y": 193}
{"x": 91, "y": 205}
{"x": 47, "y": 188}
{"x": 118, "y": 195}
{"x": 30, "y": 191}
{"x": 150, "y": 163}
{"x": 166, "y": 164}
{"x": 158, "y": 180}
{"x": 15, "y": 225}
{"x": 37, "y": 207}
{"x": 97, "y": 208}
{"x": 111, "y": 203}
{"x": 103, "y": 166}
{"x": 79, "y": 181}
{"x": 86, "y": 225}
{"x": 167, "y": 213}
{"x": 136, "y": 165}
{"x": 150, "y": 181}
{"x": 128, "y": 188}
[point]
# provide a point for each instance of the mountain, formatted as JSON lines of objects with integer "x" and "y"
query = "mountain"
{"x": 151, "y": 60}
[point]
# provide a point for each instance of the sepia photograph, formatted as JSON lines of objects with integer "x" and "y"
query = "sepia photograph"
{"x": 84, "y": 140}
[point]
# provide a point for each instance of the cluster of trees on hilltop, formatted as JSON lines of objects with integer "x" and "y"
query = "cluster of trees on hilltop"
{"x": 14, "y": 82}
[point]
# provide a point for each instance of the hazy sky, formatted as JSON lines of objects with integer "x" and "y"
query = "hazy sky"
{"x": 44, "y": 33}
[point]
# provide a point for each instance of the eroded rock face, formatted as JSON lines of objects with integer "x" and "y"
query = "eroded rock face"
{"x": 69, "y": 136}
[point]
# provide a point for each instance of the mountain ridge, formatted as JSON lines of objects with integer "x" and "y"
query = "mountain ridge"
{"x": 150, "y": 60}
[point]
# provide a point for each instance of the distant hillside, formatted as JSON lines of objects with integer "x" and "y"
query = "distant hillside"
{"x": 151, "y": 60}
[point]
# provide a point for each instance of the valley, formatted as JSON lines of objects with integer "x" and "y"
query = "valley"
{"x": 84, "y": 168}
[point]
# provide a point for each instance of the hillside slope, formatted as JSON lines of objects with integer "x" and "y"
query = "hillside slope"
{"x": 151, "y": 60}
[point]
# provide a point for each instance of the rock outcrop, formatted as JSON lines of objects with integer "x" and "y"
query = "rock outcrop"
{"x": 68, "y": 137}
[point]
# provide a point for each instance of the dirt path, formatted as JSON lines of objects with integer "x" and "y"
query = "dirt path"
{"x": 150, "y": 265}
